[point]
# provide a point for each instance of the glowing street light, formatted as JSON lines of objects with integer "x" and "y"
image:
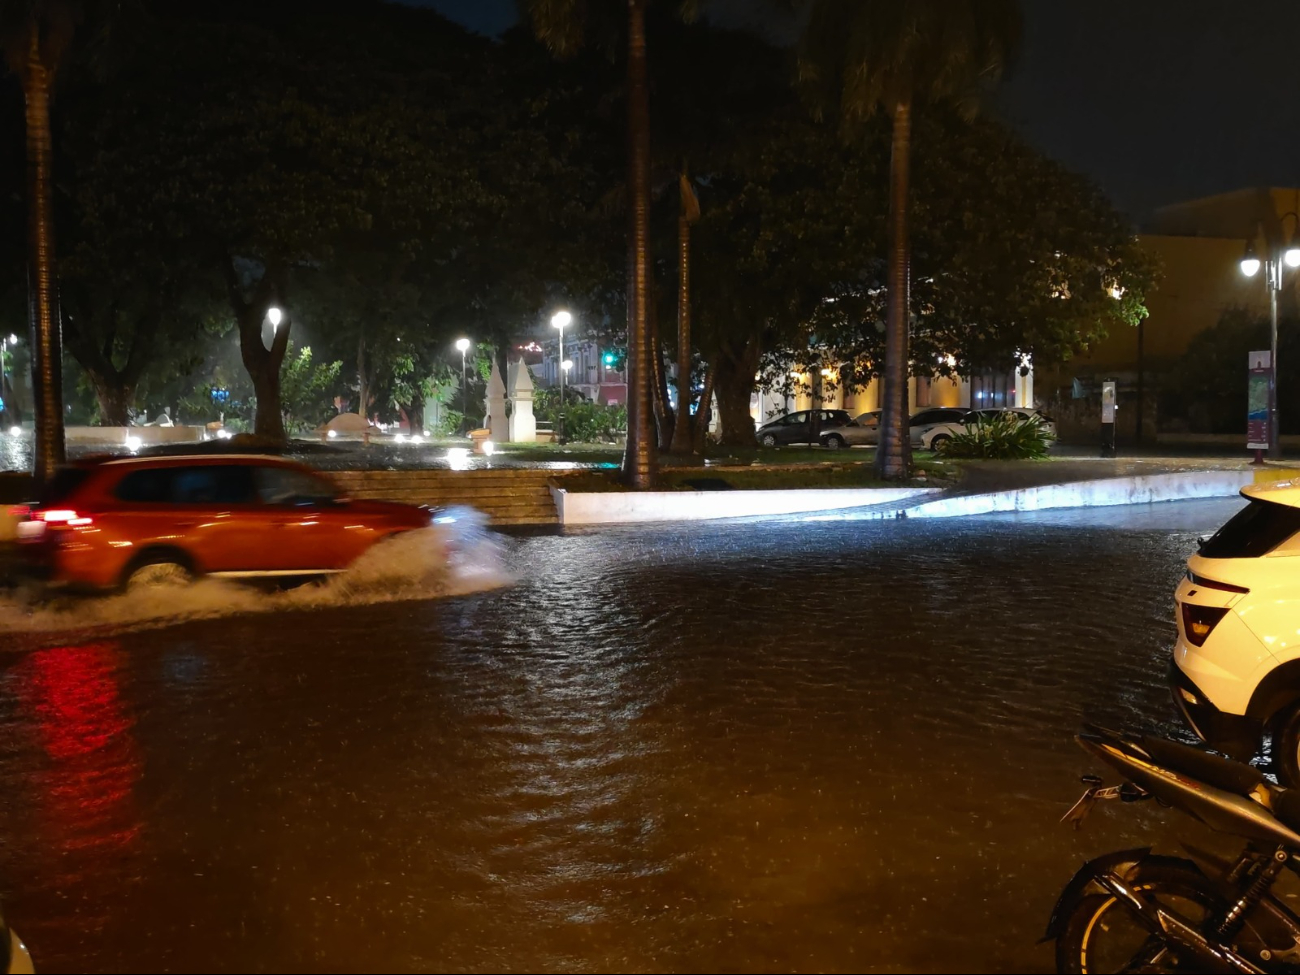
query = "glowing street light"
{"x": 462, "y": 346}
{"x": 562, "y": 320}
{"x": 274, "y": 316}
{"x": 1249, "y": 261}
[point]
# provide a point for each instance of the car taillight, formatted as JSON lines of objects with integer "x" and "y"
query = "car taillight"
{"x": 64, "y": 516}
{"x": 1198, "y": 621}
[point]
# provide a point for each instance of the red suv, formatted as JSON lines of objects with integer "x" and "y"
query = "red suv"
{"x": 158, "y": 519}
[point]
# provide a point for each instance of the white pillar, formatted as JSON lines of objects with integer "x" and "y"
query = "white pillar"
{"x": 497, "y": 424}
{"x": 1025, "y": 383}
{"x": 523, "y": 425}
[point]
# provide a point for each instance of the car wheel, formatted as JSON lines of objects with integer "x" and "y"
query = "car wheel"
{"x": 158, "y": 572}
{"x": 834, "y": 442}
{"x": 938, "y": 441}
{"x": 768, "y": 440}
{"x": 1286, "y": 747}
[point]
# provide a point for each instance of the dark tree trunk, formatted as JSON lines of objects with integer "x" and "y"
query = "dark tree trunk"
{"x": 893, "y": 455}
{"x": 94, "y": 350}
{"x": 665, "y": 417}
{"x": 415, "y": 414}
{"x": 701, "y": 424}
{"x": 115, "y": 398}
{"x": 43, "y": 299}
{"x": 734, "y": 384}
{"x": 265, "y": 374}
{"x": 263, "y": 364}
{"x": 363, "y": 387}
{"x": 12, "y": 414}
{"x": 639, "y": 461}
{"x": 683, "y": 439}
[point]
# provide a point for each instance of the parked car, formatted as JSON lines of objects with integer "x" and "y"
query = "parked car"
{"x": 932, "y": 426}
{"x": 163, "y": 520}
{"x": 1020, "y": 412}
{"x": 1235, "y": 672}
{"x": 797, "y": 427}
{"x": 862, "y": 430}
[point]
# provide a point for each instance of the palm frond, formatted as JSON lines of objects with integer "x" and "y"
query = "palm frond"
{"x": 859, "y": 56}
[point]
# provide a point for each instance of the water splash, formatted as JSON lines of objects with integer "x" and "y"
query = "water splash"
{"x": 458, "y": 555}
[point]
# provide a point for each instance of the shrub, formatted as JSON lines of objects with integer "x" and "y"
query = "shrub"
{"x": 1000, "y": 438}
{"x": 584, "y": 421}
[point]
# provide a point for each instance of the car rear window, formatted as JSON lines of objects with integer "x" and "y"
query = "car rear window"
{"x": 63, "y": 483}
{"x": 200, "y": 484}
{"x": 1255, "y": 530}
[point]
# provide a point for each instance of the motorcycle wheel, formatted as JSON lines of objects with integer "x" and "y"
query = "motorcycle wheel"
{"x": 1101, "y": 935}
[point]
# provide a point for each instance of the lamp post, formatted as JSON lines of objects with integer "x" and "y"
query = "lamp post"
{"x": 462, "y": 346}
{"x": 1272, "y": 265}
{"x": 562, "y": 320}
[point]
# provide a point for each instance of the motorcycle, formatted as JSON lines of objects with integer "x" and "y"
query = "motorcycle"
{"x": 1134, "y": 911}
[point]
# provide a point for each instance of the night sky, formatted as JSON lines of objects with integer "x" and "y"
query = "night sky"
{"x": 1158, "y": 100}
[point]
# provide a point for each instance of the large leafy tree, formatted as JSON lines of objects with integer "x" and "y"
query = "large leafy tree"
{"x": 891, "y": 56}
{"x": 287, "y": 141}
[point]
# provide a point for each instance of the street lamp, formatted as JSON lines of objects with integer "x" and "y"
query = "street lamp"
{"x": 462, "y": 346}
{"x": 562, "y": 320}
{"x": 1272, "y": 265}
{"x": 274, "y": 316}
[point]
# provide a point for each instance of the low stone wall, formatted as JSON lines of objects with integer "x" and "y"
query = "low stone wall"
{"x": 147, "y": 435}
{"x": 620, "y": 507}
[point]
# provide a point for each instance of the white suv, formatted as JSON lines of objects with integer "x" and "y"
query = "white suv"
{"x": 1235, "y": 672}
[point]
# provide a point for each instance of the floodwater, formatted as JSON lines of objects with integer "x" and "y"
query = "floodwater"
{"x": 780, "y": 746}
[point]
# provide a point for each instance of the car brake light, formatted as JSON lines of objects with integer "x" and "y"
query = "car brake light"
{"x": 1205, "y": 583}
{"x": 1198, "y": 621}
{"x": 64, "y": 516}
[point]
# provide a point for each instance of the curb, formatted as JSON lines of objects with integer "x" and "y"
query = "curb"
{"x": 1103, "y": 493}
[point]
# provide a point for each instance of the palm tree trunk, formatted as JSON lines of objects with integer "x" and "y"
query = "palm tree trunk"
{"x": 682, "y": 439}
{"x": 639, "y": 461}
{"x": 893, "y": 455}
{"x": 43, "y": 299}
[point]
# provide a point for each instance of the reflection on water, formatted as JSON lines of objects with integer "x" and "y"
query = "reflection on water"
{"x": 77, "y": 794}
{"x": 767, "y": 747}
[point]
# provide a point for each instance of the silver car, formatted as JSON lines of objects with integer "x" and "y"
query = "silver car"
{"x": 864, "y": 430}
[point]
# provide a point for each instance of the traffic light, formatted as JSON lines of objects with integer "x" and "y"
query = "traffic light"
{"x": 614, "y": 358}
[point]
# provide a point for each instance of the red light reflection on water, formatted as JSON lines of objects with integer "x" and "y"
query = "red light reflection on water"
{"x": 84, "y": 792}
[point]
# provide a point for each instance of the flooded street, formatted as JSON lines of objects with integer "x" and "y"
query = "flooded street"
{"x": 768, "y": 747}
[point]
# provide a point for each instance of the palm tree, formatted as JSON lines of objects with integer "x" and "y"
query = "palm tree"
{"x": 867, "y": 56}
{"x": 36, "y": 35}
{"x": 562, "y": 24}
